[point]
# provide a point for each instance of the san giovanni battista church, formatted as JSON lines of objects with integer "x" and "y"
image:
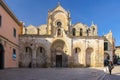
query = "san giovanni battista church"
{"x": 59, "y": 43}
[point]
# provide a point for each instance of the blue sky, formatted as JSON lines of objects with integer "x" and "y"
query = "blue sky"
{"x": 104, "y": 13}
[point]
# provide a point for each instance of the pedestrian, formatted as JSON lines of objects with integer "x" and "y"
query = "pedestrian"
{"x": 110, "y": 67}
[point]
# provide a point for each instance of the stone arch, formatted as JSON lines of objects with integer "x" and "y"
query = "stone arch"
{"x": 61, "y": 17}
{"x": 59, "y": 58}
{"x": 1, "y": 56}
{"x": 27, "y": 57}
{"x": 41, "y": 56}
{"x": 76, "y": 55}
{"x": 89, "y": 52}
{"x": 106, "y": 56}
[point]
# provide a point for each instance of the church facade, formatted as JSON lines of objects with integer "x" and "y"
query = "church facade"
{"x": 59, "y": 43}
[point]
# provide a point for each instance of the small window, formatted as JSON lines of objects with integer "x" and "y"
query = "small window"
{"x": 93, "y": 29}
{"x": 73, "y": 31}
{"x": 59, "y": 32}
{"x": 105, "y": 45}
{"x": 81, "y": 31}
{"x": 0, "y": 21}
{"x": 26, "y": 49}
{"x": 38, "y": 31}
{"x": 87, "y": 32}
{"x": 14, "y": 32}
{"x": 76, "y": 51}
{"x": 14, "y": 54}
{"x": 41, "y": 49}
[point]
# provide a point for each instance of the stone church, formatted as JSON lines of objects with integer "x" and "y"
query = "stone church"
{"x": 59, "y": 43}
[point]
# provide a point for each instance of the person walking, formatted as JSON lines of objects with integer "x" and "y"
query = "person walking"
{"x": 110, "y": 67}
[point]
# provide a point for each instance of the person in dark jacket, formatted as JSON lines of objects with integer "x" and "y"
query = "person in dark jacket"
{"x": 110, "y": 67}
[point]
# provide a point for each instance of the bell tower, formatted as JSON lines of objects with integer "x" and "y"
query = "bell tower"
{"x": 58, "y": 18}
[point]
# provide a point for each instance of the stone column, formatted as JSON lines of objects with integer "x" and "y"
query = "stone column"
{"x": 70, "y": 55}
{"x": 48, "y": 60}
{"x": 84, "y": 53}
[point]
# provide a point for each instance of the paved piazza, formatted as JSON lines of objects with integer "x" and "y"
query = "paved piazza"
{"x": 52, "y": 74}
{"x": 115, "y": 74}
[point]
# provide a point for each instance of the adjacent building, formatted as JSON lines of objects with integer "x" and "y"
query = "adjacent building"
{"x": 59, "y": 43}
{"x": 117, "y": 51}
{"x": 9, "y": 38}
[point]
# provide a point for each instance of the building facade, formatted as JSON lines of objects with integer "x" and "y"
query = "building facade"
{"x": 9, "y": 38}
{"x": 117, "y": 51}
{"x": 59, "y": 43}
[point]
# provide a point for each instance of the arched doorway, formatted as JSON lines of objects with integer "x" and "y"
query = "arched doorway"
{"x": 106, "y": 59}
{"x": 40, "y": 57}
{"x": 1, "y": 56}
{"x": 76, "y": 56}
{"x": 106, "y": 56}
{"x": 27, "y": 57}
{"x": 88, "y": 56}
{"x": 59, "y": 58}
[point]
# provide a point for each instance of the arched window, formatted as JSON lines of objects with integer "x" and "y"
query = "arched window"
{"x": 14, "y": 32}
{"x": 105, "y": 46}
{"x": 59, "y": 32}
{"x": 27, "y": 49}
{"x": 40, "y": 57}
{"x": 81, "y": 32}
{"x": 76, "y": 51}
{"x": 93, "y": 31}
{"x": 87, "y": 32}
{"x": 14, "y": 54}
{"x": 38, "y": 31}
{"x": 41, "y": 49}
{"x": 74, "y": 31}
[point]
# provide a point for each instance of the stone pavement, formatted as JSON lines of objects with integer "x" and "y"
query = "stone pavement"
{"x": 52, "y": 74}
{"x": 115, "y": 74}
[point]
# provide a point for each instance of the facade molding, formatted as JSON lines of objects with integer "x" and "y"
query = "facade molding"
{"x": 7, "y": 40}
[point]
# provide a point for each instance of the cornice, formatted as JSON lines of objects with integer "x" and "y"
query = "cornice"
{"x": 4, "y": 5}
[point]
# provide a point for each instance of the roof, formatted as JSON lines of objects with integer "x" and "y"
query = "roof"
{"x": 59, "y": 7}
{"x": 4, "y": 5}
{"x": 117, "y": 46}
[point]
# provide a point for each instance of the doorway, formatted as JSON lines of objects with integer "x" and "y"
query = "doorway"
{"x": 88, "y": 61}
{"x": 58, "y": 60}
{"x": 89, "y": 57}
{"x": 1, "y": 56}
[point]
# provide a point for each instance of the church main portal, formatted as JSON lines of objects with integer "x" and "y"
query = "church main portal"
{"x": 59, "y": 57}
{"x": 58, "y": 60}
